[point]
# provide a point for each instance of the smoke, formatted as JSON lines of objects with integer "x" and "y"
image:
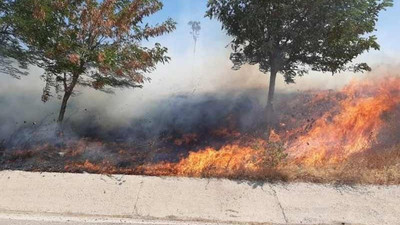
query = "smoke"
{"x": 176, "y": 99}
{"x": 184, "y": 94}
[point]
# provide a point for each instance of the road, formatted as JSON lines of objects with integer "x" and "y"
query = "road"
{"x": 30, "y": 222}
{"x": 43, "y": 219}
{"x": 46, "y": 222}
{"x": 50, "y": 196}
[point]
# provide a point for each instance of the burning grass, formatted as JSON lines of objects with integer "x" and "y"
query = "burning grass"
{"x": 232, "y": 161}
{"x": 347, "y": 136}
{"x": 352, "y": 126}
{"x": 381, "y": 167}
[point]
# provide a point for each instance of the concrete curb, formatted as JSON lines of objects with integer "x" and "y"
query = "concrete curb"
{"x": 137, "y": 198}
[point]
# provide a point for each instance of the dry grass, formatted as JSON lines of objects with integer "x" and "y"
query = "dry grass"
{"x": 380, "y": 167}
{"x": 375, "y": 167}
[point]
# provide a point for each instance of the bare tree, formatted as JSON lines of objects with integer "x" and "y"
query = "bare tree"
{"x": 195, "y": 32}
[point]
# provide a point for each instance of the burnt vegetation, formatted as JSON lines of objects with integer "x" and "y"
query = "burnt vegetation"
{"x": 218, "y": 136}
{"x": 347, "y": 136}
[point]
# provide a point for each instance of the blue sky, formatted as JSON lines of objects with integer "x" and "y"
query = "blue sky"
{"x": 182, "y": 11}
{"x": 212, "y": 63}
{"x": 389, "y": 28}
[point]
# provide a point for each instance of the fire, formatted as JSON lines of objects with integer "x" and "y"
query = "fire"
{"x": 104, "y": 167}
{"x": 350, "y": 128}
{"x": 249, "y": 158}
{"x": 319, "y": 136}
{"x": 229, "y": 160}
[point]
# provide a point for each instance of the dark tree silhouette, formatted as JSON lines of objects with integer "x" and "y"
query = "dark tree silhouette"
{"x": 292, "y": 37}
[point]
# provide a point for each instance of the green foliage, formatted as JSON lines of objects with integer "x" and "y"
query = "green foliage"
{"x": 10, "y": 46}
{"x": 295, "y": 36}
{"x": 91, "y": 43}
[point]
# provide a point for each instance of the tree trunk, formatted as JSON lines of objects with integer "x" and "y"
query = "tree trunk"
{"x": 270, "y": 103}
{"x": 67, "y": 95}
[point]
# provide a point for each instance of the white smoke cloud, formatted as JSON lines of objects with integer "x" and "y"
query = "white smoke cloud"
{"x": 208, "y": 71}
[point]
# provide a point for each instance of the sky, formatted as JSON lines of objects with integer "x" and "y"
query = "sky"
{"x": 206, "y": 71}
{"x": 183, "y": 11}
{"x": 213, "y": 53}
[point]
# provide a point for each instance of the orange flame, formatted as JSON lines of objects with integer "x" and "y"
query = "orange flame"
{"x": 231, "y": 159}
{"x": 352, "y": 127}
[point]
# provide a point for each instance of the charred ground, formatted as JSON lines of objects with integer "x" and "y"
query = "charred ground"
{"x": 222, "y": 136}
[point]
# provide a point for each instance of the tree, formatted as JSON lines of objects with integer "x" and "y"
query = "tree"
{"x": 10, "y": 46}
{"x": 293, "y": 37}
{"x": 195, "y": 32}
{"x": 90, "y": 43}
